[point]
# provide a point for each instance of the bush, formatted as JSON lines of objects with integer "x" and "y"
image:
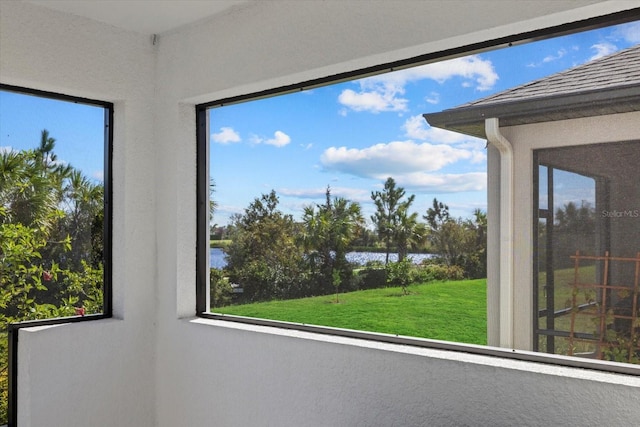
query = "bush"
{"x": 220, "y": 288}
{"x": 400, "y": 274}
{"x": 371, "y": 278}
{"x": 429, "y": 272}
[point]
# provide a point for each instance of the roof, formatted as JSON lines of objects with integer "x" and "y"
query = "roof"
{"x": 607, "y": 85}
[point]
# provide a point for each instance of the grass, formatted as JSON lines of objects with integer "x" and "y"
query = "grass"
{"x": 219, "y": 243}
{"x": 564, "y": 279}
{"x": 451, "y": 311}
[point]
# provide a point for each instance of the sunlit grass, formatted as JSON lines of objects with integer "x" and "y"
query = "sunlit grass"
{"x": 219, "y": 243}
{"x": 451, "y": 311}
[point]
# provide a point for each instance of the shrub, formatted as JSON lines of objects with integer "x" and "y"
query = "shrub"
{"x": 220, "y": 288}
{"x": 400, "y": 274}
{"x": 429, "y": 272}
{"x": 371, "y": 278}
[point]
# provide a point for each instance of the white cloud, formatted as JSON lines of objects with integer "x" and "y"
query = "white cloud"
{"x": 603, "y": 49}
{"x": 443, "y": 183}
{"x": 354, "y": 194}
{"x": 225, "y": 136}
{"x": 374, "y": 101}
{"x": 558, "y": 55}
{"x": 433, "y": 98}
{"x": 99, "y": 175}
{"x": 473, "y": 68}
{"x": 478, "y": 156}
{"x": 561, "y": 53}
{"x": 5, "y": 149}
{"x": 400, "y": 157}
{"x": 629, "y": 32}
{"x": 384, "y": 92}
{"x": 224, "y": 212}
{"x": 416, "y": 127}
{"x": 280, "y": 139}
{"x": 303, "y": 193}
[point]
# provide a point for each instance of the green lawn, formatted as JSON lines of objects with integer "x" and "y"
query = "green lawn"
{"x": 451, "y": 311}
{"x": 219, "y": 243}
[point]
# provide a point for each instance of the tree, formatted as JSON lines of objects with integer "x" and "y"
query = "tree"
{"x": 29, "y": 191}
{"x": 458, "y": 242}
{"x": 389, "y": 209}
{"x": 409, "y": 233}
{"x": 328, "y": 232}
{"x": 574, "y": 228}
{"x": 263, "y": 256}
{"x": 82, "y": 202}
{"x": 437, "y": 214}
{"x": 475, "y": 255}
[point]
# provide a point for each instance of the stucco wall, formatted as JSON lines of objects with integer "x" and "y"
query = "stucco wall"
{"x": 239, "y": 376}
{"x": 151, "y": 366}
{"x": 525, "y": 139}
{"x": 97, "y": 373}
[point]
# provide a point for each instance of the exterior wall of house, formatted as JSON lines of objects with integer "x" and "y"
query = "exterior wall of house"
{"x": 493, "y": 246}
{"x": 564, "y": 133}
{"x": 153, "y": 364}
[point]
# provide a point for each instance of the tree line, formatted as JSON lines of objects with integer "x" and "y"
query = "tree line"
{"x": 273, "y": 256}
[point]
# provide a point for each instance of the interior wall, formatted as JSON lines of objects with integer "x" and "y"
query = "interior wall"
{"x": 96, "y": 373}
{"x": 149, "y": 366}
{"x": 233, "y": 375}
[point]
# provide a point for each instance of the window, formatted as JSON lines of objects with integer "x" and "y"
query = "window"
{"x": 588, "y": 258}
{"x": 333, "y": 206}
{"x": 55, "y": 218}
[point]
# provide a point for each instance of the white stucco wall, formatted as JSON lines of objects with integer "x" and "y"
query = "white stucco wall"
{"x": 151, "y": 365}
{"x": 96, "y": 373}
{"x": 525, "y": 139}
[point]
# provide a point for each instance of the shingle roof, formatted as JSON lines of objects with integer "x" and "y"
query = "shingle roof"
{"x": 604, "y": 86}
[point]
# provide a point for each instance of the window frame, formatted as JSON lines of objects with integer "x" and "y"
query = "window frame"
{"x": 202, "y": 198}
{"x": 107, "y": 311}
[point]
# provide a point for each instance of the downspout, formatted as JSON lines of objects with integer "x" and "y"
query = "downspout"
{"x": 492, "y": 131}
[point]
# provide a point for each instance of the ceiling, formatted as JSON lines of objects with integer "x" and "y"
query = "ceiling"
{"x": 142, "y": 16}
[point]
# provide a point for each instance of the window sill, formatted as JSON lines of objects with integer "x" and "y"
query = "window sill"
{"x": 528, "y": 361}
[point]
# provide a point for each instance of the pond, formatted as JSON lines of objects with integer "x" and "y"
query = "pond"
{"x": 216, "y": 257}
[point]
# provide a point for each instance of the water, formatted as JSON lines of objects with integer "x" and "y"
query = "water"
{"x": 361, "y": 258}
{"x": 216, "y": 257}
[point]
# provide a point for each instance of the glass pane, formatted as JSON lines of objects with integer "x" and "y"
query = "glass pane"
{"x": 543, "y": 199}
{"x": 574, "y": 225}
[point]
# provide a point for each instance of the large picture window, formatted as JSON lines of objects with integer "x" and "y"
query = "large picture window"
{"x": 55, "y": 218}
{"x": 333, "y": 206}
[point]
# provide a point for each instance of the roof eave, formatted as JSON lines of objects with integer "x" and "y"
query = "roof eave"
{"x": 470, "y": 119}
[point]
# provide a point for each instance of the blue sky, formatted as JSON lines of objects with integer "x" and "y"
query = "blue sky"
{"x": 77, "y": 128}
{"x": 350, "y": 136}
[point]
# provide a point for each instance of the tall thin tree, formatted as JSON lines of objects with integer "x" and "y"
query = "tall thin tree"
{"x": 389, "y": 206}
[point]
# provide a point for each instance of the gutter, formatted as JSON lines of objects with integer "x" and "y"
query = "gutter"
{"x": 506, "y": 285}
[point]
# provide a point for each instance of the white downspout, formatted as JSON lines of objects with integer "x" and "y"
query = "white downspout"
{"x": 492, "y": 130}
